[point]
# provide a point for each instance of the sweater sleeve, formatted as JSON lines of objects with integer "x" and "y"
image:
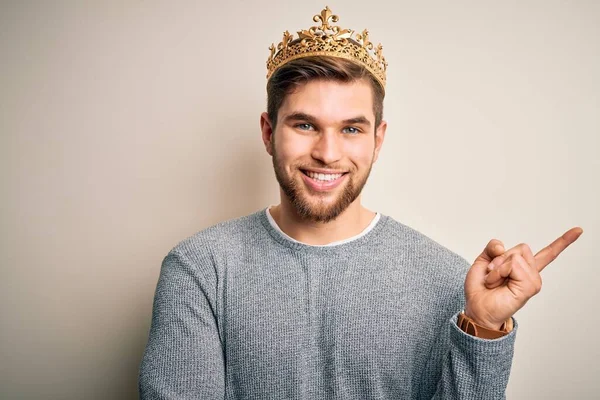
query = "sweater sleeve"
{"x": 462, "y": 366}
{"x": 184, "y": 357}
{"x": 475, "y": 368}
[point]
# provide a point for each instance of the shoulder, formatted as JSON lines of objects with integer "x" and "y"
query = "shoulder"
{"x": 424, "y": 250}
{"x": 219, "y": 237}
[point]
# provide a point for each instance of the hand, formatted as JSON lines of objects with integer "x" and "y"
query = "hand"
{"x": 499, "y": 283}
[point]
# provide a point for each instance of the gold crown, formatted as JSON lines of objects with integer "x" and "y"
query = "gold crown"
{"x": 329, "y": 40}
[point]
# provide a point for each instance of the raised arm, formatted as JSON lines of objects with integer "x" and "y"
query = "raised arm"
{"x": 498, "y": 284}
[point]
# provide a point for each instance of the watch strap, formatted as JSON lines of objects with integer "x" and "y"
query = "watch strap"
{"x": 469, "y": 326}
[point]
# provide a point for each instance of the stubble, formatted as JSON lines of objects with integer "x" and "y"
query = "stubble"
{"x": 303, "y": 199}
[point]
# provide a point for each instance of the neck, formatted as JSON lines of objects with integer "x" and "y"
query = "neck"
{"x": 351, "y": 222}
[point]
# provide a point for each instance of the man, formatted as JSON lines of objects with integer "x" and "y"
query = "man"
{"x": 319, "y": 297}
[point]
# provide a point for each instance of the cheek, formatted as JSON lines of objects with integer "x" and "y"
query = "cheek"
{"x": 360, "y": 154}
{"x": 292, "y": 147}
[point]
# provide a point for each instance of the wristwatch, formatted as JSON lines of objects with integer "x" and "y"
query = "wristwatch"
{"x": 469, "y": 326}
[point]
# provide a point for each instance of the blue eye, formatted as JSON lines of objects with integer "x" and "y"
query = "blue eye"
{"x": 351, "y": 130}
{"x": 304, "y": 127}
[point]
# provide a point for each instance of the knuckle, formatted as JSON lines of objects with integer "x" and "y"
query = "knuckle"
{"x": 499, "y": 259}
{"x": 518, "y": 260}
{"x": 525, "y": 248}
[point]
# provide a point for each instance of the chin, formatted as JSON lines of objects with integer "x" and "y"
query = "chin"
{"x": 323, "y": 207}
{"x": 318, "y": 206}
{"x": 315, "y": 214}
{"x": 319, "y": 212}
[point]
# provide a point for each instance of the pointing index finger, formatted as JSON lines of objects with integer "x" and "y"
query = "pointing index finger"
{"x": 550, "y": 252}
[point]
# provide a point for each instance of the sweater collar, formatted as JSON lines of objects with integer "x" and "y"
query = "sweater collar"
{"x": 275, "y": 231}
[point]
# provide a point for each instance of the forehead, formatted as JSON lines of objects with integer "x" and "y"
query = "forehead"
{"x": 331, "y": 100}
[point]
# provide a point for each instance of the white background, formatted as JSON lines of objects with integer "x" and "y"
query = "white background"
{"x": 128, "y": 126}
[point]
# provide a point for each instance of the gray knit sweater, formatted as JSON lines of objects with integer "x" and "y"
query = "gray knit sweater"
{"x": 242, "y": 312}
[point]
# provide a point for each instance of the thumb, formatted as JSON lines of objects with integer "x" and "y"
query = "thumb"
{"x": 493, "y": 249}
{"x": 478, "y": 271}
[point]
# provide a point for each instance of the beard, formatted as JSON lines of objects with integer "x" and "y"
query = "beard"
{"x": 314, "y": 206}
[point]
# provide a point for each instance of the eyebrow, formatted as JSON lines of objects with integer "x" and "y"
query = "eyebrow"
{"x": 300, "y": 116}
{"x": 357, "y": 121}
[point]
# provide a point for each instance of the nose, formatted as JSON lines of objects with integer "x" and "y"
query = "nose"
{"x": 327, "y": 148}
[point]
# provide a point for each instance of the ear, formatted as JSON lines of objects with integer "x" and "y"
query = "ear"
{"x": 379, "y": 136}
{"x": 267, "y": 132}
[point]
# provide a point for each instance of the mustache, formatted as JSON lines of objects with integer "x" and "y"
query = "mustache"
{"x": 335, "y": 167}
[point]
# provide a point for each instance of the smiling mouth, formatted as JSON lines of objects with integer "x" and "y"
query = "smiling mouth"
{"x": 319, "y": 177}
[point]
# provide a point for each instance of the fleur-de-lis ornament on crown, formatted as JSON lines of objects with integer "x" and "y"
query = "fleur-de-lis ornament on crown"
{"x": 329, "y": 40}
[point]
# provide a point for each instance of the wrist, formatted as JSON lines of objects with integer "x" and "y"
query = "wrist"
{"x": 494, "y": 325}
{"x": 487, "y": 325}
{"x": 469, "y": 326}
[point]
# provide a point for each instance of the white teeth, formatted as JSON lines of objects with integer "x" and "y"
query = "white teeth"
{"x": 323, "y": 177}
